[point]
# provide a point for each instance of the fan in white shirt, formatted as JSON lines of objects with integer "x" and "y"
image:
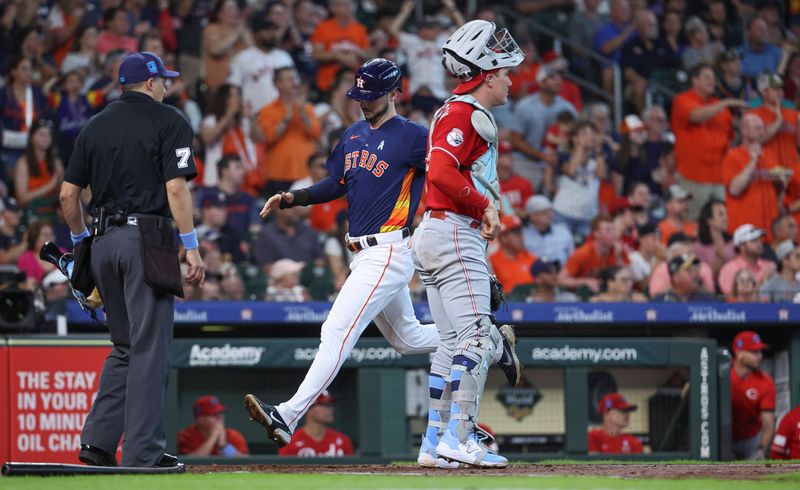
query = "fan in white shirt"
{"x": 253, "y": 68}
{"x": 423, "y": 50}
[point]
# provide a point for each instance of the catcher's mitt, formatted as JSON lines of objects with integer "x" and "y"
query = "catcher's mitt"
{"x": 496, "y": 296}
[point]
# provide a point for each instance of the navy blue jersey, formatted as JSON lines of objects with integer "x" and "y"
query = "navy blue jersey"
{"x": 384, "y": 172}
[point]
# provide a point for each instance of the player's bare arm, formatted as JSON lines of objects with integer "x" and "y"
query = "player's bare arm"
{"x": 490, "y": 224}
{"x": 274, "y": 203}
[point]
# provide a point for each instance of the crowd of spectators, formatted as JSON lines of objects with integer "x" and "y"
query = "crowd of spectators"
{"x": 696, "y": 198}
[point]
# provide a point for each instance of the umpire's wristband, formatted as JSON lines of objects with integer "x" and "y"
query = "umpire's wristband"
{"x": 301, "y": 198}
{"x": 77, "y": 238}
{"x": 189, "y": 240}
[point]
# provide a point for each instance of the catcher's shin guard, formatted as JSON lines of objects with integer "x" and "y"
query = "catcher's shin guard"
{"x": 468, "y": 378}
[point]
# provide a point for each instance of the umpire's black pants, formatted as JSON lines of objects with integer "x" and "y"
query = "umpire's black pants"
{"x": 133, "y": 384}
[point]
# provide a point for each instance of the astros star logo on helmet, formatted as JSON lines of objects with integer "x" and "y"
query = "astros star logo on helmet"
{"x": 360, "y": 82}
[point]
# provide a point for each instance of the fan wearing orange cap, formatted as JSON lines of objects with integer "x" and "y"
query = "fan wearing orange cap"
{"x": 752, "y": 398}
{"x": 512, "y": 263}
{"x": 208, "y": 436}
{"x": 608, "y": 438}
{"x": 316, "y": 438}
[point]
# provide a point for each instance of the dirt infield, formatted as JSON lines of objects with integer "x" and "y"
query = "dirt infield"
{"x": 645, "y": 470}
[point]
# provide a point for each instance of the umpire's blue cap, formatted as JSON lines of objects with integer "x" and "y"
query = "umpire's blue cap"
{"x": 139, "y": 67}
{"x": 374, "y": 79}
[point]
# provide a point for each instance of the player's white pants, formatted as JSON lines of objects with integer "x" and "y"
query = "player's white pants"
{"x": 377, "y": 288}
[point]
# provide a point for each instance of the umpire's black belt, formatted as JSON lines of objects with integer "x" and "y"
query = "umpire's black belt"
{"x": 357, "y": 244}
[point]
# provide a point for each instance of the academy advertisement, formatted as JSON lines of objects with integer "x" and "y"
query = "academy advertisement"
{"x": 50, "y": 391}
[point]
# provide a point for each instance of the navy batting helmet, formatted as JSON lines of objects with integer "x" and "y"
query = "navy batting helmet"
{"x": 375, "y": 78}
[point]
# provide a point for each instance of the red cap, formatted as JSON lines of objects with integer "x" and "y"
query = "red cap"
{"x": 510, "y": 222}
{"x": 551, "y": 55}
{"x": 504, "y": 147}
{"x": 748, "y": 340}
{"x": 614, "y": 400}
{"x": 207, "y": 405}
{"x": 324, "y": 397}
{"x": 619, "y": 204}
{"x": 469, "y": 85}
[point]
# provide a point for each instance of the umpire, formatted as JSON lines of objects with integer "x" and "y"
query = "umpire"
{"x": 135, "y": 157}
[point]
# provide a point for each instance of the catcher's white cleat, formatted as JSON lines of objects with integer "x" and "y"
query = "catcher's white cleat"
{"x": 471, "y": 452}
{"x": 428, "y": 459}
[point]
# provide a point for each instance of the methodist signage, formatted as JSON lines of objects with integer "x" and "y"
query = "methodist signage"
{"x": 257, "y": 312}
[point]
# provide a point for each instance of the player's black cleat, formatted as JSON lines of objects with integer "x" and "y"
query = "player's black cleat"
{"x": 94, "y": 456}
{"x": 509, "y": 362}
{"x": 268, "y": 416}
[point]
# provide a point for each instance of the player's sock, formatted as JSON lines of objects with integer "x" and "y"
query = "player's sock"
{"x": 462, "y": 409}
{"x": 438, "y": 407}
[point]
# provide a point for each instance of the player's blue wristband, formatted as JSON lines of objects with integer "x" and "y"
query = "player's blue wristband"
{"x": 189, "y": 240}
{"x": 79, "y": 237}
{"x": 229, "y": 450}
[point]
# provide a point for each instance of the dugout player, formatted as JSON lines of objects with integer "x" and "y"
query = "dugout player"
{"x": 450, "y": 244}
{"x": 316, "y": 438}
{"x": 609, "y": 439}
{"x": 379, "y": 163}
{"x": 786, "y": 443}
{"x": 136, "y": 158}
{"x": 752, "y": 398}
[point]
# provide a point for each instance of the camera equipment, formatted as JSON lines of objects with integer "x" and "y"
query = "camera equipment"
{"x": 17, "y": 309}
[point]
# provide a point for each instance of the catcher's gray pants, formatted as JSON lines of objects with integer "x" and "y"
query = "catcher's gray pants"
{"x": 451, "y": 259}
{"x": 132, "y": 389}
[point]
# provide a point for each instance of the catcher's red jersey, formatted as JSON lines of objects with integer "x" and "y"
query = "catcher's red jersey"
{"x": 455, "y": 145}
{"x": 333, "y": 444}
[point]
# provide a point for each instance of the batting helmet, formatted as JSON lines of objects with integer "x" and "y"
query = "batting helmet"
{"x": 375, "y": 78}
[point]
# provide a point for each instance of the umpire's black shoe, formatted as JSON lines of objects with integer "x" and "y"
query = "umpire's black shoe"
{"x": 94, "y": 456}
{"x": 167, "y": 461}
{"x": 268, "y": 416}
{"x": 509, "y": 362}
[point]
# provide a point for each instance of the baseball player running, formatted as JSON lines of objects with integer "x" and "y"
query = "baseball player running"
{"x": 450, "y": 244}
{"x": 380, "y": 164}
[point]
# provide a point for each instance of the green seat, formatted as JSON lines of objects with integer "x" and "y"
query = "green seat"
{"x": 669, "y": 78}
{"x": 255, "y": 281}
{"x": 318, "y": 281}
{"x": 520, "y": 292}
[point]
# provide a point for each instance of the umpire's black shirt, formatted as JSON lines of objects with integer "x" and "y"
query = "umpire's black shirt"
{"x": 129, "y": 151}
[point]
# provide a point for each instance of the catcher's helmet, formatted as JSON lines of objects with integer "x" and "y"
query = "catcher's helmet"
{"x": 476, "y": 48}
{"x": 375, "y": 78}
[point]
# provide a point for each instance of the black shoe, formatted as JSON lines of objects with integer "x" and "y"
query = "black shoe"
{"x": 268, "y": 416}
{"x": 168, "y": 461}
{"x": 509, "y": 362}
{"x": 94, "y": 456}
{"x": 484, "y": 438}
